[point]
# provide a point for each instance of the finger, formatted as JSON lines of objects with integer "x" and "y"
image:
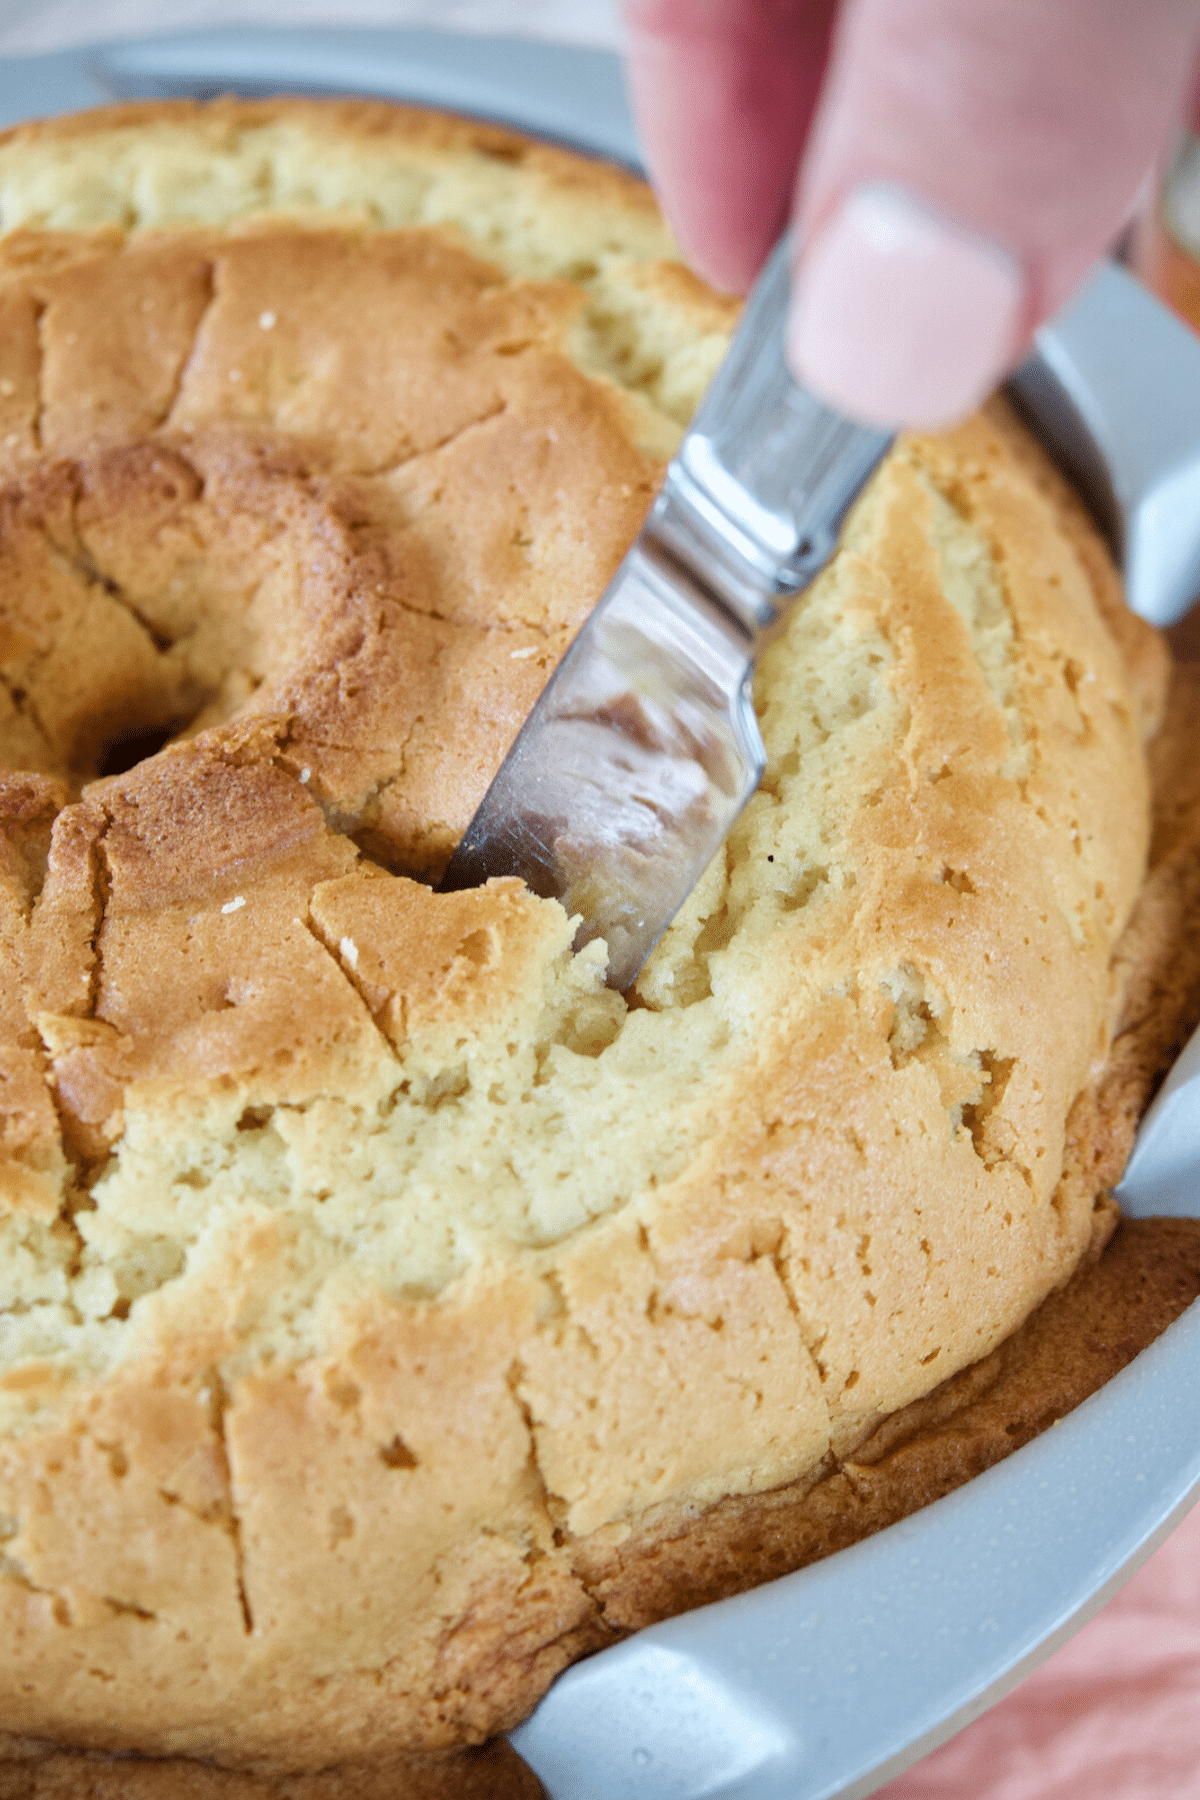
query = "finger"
{"x": 970, "y": 160}
{"x": 723, "y": 92}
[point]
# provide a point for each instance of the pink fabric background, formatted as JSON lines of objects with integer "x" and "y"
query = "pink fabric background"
{"x": 1114, "y": 1714}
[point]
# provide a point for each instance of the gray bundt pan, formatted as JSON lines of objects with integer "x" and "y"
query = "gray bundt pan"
{"x": 830, "y": 1681}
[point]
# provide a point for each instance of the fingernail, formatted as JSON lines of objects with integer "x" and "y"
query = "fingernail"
{"x": 901, "y": 317}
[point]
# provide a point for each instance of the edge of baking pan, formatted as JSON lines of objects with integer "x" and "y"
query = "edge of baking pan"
{"x": 827, "y": 1682}
{"x": 830, "y": 1681}
{"x": 567, "y": 93}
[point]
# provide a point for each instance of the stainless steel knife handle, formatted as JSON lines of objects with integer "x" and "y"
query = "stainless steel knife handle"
{"x": 753, "y": 504}
{"x": 754, "y": 501}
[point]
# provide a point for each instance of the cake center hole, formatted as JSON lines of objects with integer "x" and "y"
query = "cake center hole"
{"x": 120, "y": 754}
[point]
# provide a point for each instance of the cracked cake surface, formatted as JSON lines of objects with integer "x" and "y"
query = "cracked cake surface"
{"x": 370, "y": 1272}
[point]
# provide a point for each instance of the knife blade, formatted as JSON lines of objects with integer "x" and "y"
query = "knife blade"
{"x": 643, "y": 747}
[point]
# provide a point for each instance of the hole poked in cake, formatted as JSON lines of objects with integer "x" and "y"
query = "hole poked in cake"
{"x": 397, "y": 1454}
{"x": 971, "y": 1082}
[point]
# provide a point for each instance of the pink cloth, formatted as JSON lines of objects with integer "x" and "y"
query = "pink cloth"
{"x": 1113, "y": 1715}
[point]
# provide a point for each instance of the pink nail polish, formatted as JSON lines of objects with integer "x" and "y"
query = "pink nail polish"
{"x": 900, "y": 315}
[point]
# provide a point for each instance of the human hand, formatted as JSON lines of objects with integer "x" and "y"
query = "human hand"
{"x": 961, "y": 165}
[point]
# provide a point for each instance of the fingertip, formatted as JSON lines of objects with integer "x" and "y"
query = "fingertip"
{"x": 723, "y": 93}
{"x": 727, "y": 261}
{"x": 901, "y": 316}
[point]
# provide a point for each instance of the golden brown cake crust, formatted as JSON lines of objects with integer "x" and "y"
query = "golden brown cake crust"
{"x": 341, "y": 1215}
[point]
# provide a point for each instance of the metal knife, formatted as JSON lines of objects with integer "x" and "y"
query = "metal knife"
{"x": 644, "y": 748}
